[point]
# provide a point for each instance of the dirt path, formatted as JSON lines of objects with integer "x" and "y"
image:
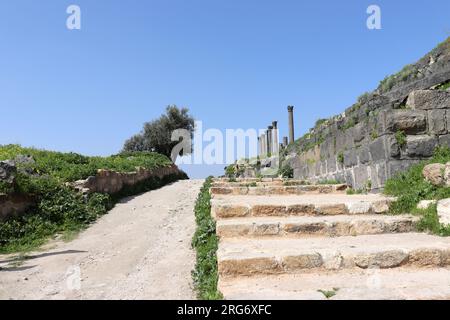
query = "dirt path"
{"x": 140, "y": 250}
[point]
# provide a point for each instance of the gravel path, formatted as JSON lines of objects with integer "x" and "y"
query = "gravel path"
{"x": 140, "y": 250}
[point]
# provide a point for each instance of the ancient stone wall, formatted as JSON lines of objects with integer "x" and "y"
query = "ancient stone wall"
{"x": 14, "y": 205}
{"x": 105, "y": 181}
{"x": 386, "y": 131}
{"x": 112, "y": 182}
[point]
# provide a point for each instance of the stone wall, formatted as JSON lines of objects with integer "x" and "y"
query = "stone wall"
{"x": 386, "y": 131}
{"x": 105, "y": 181}
{"x": 112, "y": 182}
{"x": 14, "y": 205}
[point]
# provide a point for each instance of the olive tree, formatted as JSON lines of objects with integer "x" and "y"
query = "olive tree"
{"x": 156, "y": 135}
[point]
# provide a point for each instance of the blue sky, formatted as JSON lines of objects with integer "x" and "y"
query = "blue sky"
{"x": 235, "y": 64}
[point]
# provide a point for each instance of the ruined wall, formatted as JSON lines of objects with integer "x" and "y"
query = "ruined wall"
{"x": 105, "y": 181}
{"x": 112, "y": 182}
{"x": 386, "y": 131}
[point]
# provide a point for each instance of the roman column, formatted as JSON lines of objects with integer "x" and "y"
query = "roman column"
{"x": 258, "y": 153}
{"x": 269, "y": 140}
{"x": 285, "y": 142}
{"x": 291, "y": 123}
{"x": 263, "y": 145}
{"x": 275, "y": 137}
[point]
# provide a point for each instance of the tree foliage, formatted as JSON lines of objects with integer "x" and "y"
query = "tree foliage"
{"x": 157, "y": 134}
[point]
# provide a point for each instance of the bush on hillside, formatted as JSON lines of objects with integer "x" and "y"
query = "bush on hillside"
{"x": 156, "y": 135}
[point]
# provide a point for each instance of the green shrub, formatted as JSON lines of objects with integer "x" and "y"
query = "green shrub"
{"x": 400, "y": 136}
{"x": 286, "y": 171}
{"x": 230, "y": 171}
{"x": 340, "y": 157}
{"x": 444, "y": 86}
{"x": 328, "y": 181}
{"x": 319, "y": 122}
{"x": 205, "y": 242}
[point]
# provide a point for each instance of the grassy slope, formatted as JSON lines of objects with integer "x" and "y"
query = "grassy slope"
{"x": 410, "y": 187}
{"x": 205, "y": 242}
{"x": 60, "y": 208}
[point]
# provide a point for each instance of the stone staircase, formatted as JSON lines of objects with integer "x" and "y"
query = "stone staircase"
{"x": 287, "y": 240}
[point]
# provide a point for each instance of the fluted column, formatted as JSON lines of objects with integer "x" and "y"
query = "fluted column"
{"x": 275, "y": 137}
{"x": 291, "y": 123}
{"x": 270, "y": 139}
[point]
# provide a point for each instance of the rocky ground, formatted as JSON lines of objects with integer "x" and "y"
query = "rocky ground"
{"x": 140, "y": 250}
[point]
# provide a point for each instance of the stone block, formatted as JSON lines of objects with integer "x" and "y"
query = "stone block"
{"x": 361, "y": 177}
{"x": 408, "y": 121}
{"x": 436, "y": 121}
{"x": 428, "y": 99}
{"x": 395, "y": 166}
{"x": 444, "y": 140}
{"x": 359, "y": 132}
{"x": 388, "y": 259}
{"x": 363, "y": 154}
{"x": 304, "y": 261}
{"x": 377, "y": 149}
{"x": 331, "y": 164}
{"x": 420, "y": 146}
{"x": 443, "y": 210}
{"x": 350, "y": 158}
{"x": 393, "y": 149}
{"x": 424, "y": 204}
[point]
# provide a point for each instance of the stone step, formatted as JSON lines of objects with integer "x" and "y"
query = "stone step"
{"x": 369, "y": 284}
{"x": 277, "y": 190}
{"x": 288, "y": 205}
{"x": 253, "y": 256}
{"x": 304, "y": 226}
{"x": 246, "y": 180}
{"x": 260, "y": 183}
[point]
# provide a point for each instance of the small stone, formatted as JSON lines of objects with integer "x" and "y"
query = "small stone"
{"x": 424, "y": 204}
{"x": 443, "y": 210}
{"x": 434, "y": 173}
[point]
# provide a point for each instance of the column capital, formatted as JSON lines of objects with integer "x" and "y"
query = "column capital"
{"x": 290, "y": 108}
{"x": 275, "y": 124}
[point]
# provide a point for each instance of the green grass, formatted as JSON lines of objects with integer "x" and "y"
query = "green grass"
{"x": 444, "y": 86}
{"x": 351, "y": 191}
{"x": 59, "y": 208}
{"x": 328, "y": 181}
{"x": 410, "y": 188}
{"x": 329, "y": 293}
{"x": 72, "y": 166}
{"x": 400, "y": 136}
{"x": 205, "y": 242}
{"x": 286, "y": 171}
{"x": 340, "y": 157}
